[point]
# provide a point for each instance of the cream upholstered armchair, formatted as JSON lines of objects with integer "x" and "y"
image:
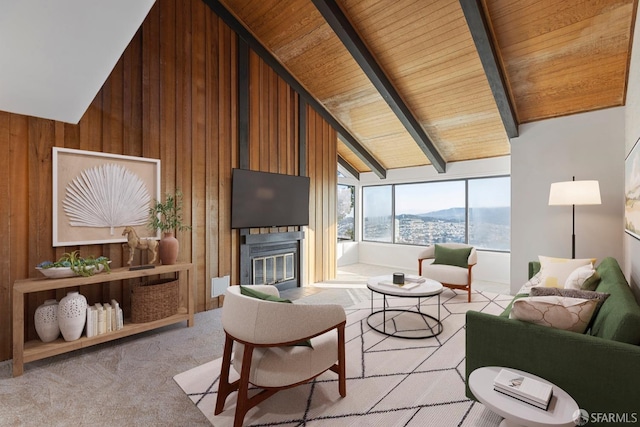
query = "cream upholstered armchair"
{"x": 451, "y": 276}
{"x": 264, "y": 333}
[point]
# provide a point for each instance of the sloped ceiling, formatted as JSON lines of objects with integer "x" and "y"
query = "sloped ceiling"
{"x": 56, "y": 55}
{"x": 554, "y": 58}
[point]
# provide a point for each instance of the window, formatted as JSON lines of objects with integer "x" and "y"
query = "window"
{"x": 346, "y": 212}
{"x": 377, "y": 213}
{"x": 475, "y": 210}
{"x": 489, "y": 213}
{"x": 428, "y": 213}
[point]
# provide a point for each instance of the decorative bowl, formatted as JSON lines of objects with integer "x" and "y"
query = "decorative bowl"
{"x": 61, "y": 272}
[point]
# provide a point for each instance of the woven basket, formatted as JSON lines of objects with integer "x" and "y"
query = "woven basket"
{"x": 154, "y": 300}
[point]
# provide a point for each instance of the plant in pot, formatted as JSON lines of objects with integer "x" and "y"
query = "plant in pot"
{"x": 72, "y": 264}
{"x": 167, "y": 217}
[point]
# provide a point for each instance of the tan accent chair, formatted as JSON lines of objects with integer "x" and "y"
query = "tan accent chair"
{"x": 450, "y": 276}
{"x": 263, "y": 332}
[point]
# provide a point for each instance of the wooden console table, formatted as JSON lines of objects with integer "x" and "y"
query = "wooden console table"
{"x": 24, "y": 352}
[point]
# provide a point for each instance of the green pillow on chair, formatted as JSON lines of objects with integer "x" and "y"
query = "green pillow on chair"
{"x": 247, "y": 291}
{"x": 458, "y": 257}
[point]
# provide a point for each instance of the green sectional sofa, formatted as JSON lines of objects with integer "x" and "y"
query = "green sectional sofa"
{"x": 599, "y": 369}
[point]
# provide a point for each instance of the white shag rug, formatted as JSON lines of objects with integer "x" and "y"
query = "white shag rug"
{"x": 390, "y": 381}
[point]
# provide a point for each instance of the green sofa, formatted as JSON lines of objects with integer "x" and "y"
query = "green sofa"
{"x": 600, "y": 369}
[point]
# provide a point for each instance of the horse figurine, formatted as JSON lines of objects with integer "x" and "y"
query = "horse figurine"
{"x": 134, "y": 242}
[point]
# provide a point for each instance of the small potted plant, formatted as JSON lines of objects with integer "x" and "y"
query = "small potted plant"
{"x": 72, "y": 264}
{"x": 167, "y": 217}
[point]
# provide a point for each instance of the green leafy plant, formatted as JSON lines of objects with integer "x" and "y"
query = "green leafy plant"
{"x": 167, "y": 216}
{"x": 79, "y": 265}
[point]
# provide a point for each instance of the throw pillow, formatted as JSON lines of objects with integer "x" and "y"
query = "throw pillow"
{"x": 570, "y": 314}
{"x": 458, "y": 257}
{"x": 592, "y": 282}
{"x": 600, "y": 297}
{"x": 578, "y": 277}
{"x": 555, "y": 271}
{"x": 534, "y": 281}
{"x": 247, "y": 291}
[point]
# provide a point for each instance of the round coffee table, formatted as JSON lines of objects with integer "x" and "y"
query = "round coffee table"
{"x": 427, "y": 326}
{"x": 561, "y": 412}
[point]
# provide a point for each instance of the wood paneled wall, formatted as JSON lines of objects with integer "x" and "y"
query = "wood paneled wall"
{"x": 322, "y": 233}
{"x": 172, "y": 96}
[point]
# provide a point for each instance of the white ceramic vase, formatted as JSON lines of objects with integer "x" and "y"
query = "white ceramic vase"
{"x": 46, "y": 320}
{"x": 72, "y": 315}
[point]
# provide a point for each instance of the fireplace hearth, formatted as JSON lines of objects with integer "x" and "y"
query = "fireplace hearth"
{"x": 271, "y": 259}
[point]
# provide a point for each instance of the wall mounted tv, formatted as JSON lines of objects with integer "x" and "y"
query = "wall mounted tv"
{"x": 264, "y": 199}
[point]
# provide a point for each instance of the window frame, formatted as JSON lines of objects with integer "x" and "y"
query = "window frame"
{"x": 393, "y": 209}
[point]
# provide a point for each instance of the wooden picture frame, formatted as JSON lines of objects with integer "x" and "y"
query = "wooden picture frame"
{"x": 95, "y": 194}
{"x": 632, "y": 192}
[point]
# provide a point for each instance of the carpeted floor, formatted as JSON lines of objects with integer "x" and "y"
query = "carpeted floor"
{"x": 130, "y": 382}
{"x": 390, "y": 381}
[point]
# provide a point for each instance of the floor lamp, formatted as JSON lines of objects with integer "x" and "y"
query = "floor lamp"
{"x": 574, "y": 193}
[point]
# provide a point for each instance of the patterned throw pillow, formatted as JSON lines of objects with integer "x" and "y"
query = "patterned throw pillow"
{"x": 600, "y": 297}
{"x": 555, "y": 271}
{"x": 570, "y": 314}
{"x": 579, "y": 276}
{"x": 534, "y": 281}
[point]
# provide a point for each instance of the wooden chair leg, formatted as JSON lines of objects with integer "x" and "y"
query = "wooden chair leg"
{"x": 224, "y": 388}
{"x": 342, "y": 365}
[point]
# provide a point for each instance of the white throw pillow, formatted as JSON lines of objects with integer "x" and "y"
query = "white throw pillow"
{"x": 570, "y": 314}
{"x": 534, "y": 281}
{"x": 578, "y": 276}
{"x": 555, "y": 271}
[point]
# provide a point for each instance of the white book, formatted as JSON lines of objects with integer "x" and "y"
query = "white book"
{"x": 89, "y": 324}
{"x": 414, "y": 279}
{"x": 544, "y": 406}
{"x": 107, "y": 320}
{"x": 94, "y": 316}
{"x": 406, "y": 285}
{"x": 102, "y": 327}
{"x": 523, "y": 386}
{"x": 114, "y": 319}
{"x": 120, "y": 318}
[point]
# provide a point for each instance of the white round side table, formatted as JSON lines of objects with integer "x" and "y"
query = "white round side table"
{"x": 561, "y": 412}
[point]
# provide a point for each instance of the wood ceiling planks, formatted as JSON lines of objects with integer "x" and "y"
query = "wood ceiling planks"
{"x": 559, "y": 57}
{"x": 563, "y": 57}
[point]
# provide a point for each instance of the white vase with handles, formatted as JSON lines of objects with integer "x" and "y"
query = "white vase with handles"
{"x": 46, "y": 321}
{"x": 72, "y": 315}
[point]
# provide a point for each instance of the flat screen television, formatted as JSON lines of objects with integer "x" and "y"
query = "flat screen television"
{"x": 264, "y": 199}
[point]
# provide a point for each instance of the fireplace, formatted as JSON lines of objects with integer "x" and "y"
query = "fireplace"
{"x": 271, "y": 259}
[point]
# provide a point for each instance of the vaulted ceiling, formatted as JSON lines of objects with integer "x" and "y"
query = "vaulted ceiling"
{"x": 418, "y": 82}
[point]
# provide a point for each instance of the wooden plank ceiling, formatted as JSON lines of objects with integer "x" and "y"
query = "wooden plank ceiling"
{"x": 556, "y": 57}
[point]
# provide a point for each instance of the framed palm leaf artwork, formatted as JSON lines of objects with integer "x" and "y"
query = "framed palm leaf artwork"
{"x": 97, "y": 195}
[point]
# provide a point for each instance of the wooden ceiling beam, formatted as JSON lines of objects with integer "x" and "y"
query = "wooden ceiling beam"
{"x": 479, "y": 28}
{"x": 349, "y": 140}
{"x": 358, "y": 49}
{"x": 353, "y": 171}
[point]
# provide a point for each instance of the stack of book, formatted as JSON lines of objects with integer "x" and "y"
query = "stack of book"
{"x": 410, "y": 282}
{"x": 104, "y": 318}
{"x": 523, "y": 388}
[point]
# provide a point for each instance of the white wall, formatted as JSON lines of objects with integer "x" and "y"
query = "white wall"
{"x": 491, "y": 267}
{"x": 587, "y": 146}
{"x": 631, "y": 245}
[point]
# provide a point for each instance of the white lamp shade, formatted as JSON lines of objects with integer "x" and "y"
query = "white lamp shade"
{"x": 575, "y": 193}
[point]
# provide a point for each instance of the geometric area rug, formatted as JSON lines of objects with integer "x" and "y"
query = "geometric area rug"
{"x": 390, "y": 381}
